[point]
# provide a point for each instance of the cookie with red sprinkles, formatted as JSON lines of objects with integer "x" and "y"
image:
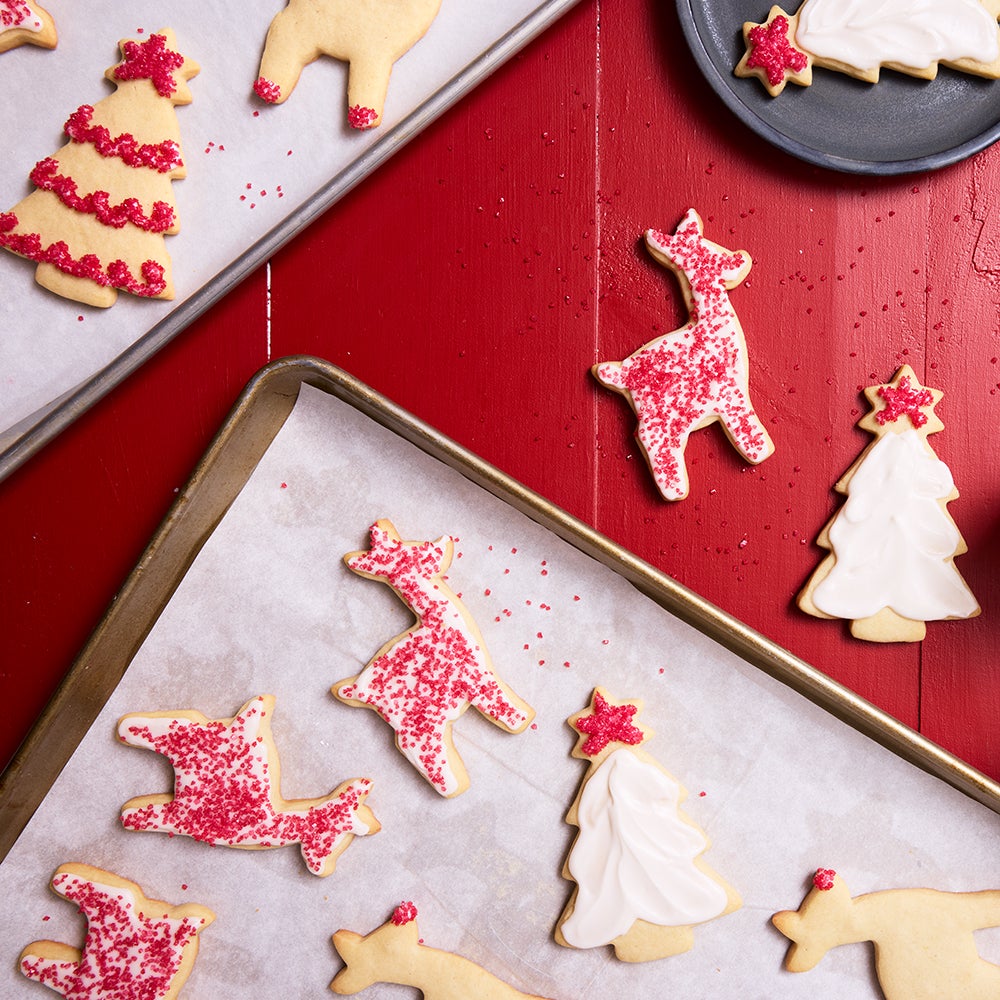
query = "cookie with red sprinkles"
{"x": 103, "y": 204}
{"x": 24, "y": 22}
{"x": 134, "y": 946}
{"x": 227, "y": 788}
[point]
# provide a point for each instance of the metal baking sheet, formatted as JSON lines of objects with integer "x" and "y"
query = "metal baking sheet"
{"x": 294, "y": 160}
{"x": 506, "y": 924}
{"x": 839, "y": 122}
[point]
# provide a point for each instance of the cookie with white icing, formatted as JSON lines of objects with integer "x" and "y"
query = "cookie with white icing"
{"x": 892, "y": 546}
{"x": 861, "y": 37}
{"x": 641, "y": 882}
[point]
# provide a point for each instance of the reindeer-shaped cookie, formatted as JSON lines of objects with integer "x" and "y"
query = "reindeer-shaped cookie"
{"x": 687, "y": 379}
{"x": 924, "y": 944}
{"x": 227, "y": 787}
{"x": 421, "y": 681}
{"x": 135, "y": 947}
{"x": 393, "y": 953}
{"x": 370, "y": 35}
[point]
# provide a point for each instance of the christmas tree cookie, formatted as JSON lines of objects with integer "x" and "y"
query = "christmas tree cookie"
{"x": 25, "y": 23}
{"x": 892, "y": 545}
{"x": 104, "y": 201}
{"x": 860, "y": 37}
{"x": 421, "y": 681}
{"x": 698, "y": 374}
{"x": 227, "y": 784}
{"x": 135, "y": 947}
{"x": 395, "y": 953}
{"x": 641, "y": 883}
{"x": 925, "y": 947}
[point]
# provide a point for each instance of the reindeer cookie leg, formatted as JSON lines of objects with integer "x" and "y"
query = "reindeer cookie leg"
{"x": 287, "y": 51}
{"x": 744, "y": 428}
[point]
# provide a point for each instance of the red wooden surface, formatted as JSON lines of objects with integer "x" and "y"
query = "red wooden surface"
{"x": 476, "y": 277}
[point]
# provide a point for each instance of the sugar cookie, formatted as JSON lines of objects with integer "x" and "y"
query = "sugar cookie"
{"x": 421, "y": 681}
{"x": 861, "y": 37}
{"x": 104, "y": 202}
{"x": 369, "y": 36}
{"x": 893, "y": 544}
{"x": 227, "y": 787}
{"x": 924, "y": 944}
{"x": 641, "y": 884}
{"x": 24, "y": 22}
{"x": 699, "y": 374}
{"x": 394, "y": 953}
{"x": 134, "y": 947}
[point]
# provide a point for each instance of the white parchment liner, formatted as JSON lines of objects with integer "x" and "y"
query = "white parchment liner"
{"x": 268, "y": 606}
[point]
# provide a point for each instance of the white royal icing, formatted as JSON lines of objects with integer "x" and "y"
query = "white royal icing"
{"x": 893, "y": 540}
{"x": 915, "y": 33}
{"x": 17, "y": 14}
{"x": 634, "y": 857}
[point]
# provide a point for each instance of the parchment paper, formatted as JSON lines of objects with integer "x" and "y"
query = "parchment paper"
{"x": 268, "y": 606}
{"x": 250, "y": 165}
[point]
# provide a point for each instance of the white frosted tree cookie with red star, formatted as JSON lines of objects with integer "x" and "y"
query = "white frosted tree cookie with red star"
{"x": 134, "y": 947}
{"x": 422, "y": 680}
{"x": 641, "y": 883}
{"x": 370, "y": 37}
{"x": 395, "y": 953}
{"x": 24, "y": 22}
{"x": 104, "y": 201}
{"x": 698, "y": 374}
{"x": 227, "y": 783}
{"x": 893, "y": 544}
{"x": 861, "y": 37}
{"x": 925, "y": 947}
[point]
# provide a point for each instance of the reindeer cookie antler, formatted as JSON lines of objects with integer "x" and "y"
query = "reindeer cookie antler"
{"x": 924, "y": 944}
{"x": 421, "y": 681}
{"x": 393, "y": 953}
{"x": 698, "y": 374}
{"x": 227, "y": 788}
{"x": 135, "y": 946}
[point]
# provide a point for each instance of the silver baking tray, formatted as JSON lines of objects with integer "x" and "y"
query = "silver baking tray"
{"x": 215, "y": 488}
{"x": 227, "y": 79}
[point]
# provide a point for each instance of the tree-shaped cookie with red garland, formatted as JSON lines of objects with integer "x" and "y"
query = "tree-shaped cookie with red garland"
{"x": 893, "y": 544}
{"x": 395, "y": 953}
{"x": 227, "y": 783}
{"x": 422, "y": 680}
{"x": 641, "y": 883}
{"x": 925, "y": 948}
{"x": 104, "y": 201}
{"x": 135, "y": 947}
{"x": 24, "y": 22}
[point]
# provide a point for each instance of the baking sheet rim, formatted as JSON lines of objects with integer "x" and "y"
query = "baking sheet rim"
{"x": 219, "y": 476}
{"x": 29, "y": 435}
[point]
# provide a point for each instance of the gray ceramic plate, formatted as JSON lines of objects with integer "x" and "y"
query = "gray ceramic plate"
{"x": 899, "y": 125}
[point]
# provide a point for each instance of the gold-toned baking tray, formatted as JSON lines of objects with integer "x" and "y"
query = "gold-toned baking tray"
{"x": 254, "y": 421}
